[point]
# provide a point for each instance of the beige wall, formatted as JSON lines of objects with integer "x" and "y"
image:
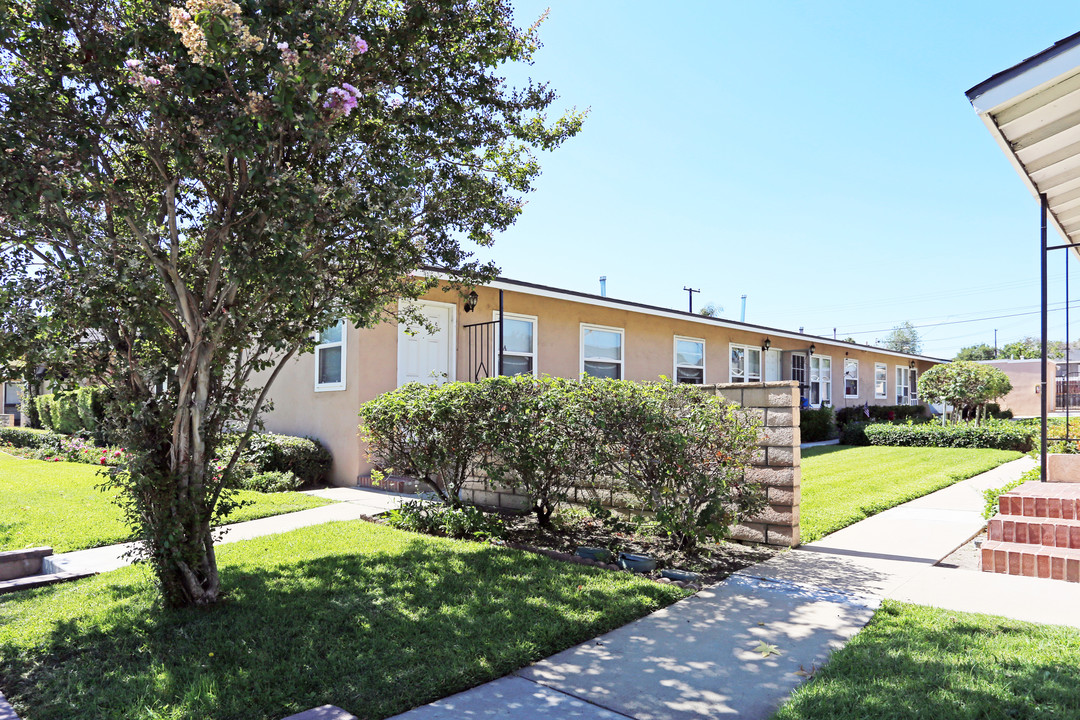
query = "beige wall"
{"x": 371, "y": 361}
{"x": 1026, "y": 376}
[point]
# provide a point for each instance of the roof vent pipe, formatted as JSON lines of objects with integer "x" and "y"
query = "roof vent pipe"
{"x": 603, "y": 286}
{"x": 742, "y": 313}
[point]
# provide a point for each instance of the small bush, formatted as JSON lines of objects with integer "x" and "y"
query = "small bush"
{"x": 29, "y": 411}
{"x": 994, "y": 410}
{"x": 303, "y": 457}
{"x": 991, "y": 495}
{"x": 23, "y": 437}
{"x": 996, "y": 435}
{"x": 854, "y": 433}
{"x": 434, "y": 518}
{"x": 273, "y": 481}
{"x": 42, "y": 405}
{"x": 879, "y": 413}
{"x": 816, "y": 425}
{"x": 64, "y": 408}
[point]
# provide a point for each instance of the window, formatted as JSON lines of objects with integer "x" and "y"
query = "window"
{"x": 820, "y": 380}
{"x": 798, "y": 372}
{"x": 881, "y": 376}
{"x": 689, "y": 360}
{"x": 519, "y": 347}
{"x": 745, "y": 364}
{"x": 914, "y": 392}
{"x": 602, "y": 351}
{"x": 330, "y": 358}
{"x": 851, "y": 378}
{"x": 903, "y": 390}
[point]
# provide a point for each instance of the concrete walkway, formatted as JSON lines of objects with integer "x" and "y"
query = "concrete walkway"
{"x": 350, "y": 504}
{"x": 709, "y": 656}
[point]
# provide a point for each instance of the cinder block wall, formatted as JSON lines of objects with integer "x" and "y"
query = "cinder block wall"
{"x": 775, "y": 465}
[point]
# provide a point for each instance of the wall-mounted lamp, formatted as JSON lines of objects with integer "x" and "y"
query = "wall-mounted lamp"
{"x": 911, "y": 364}
{"x": 766, "y": 345}
{"x": 812, "y": 348}
{"x": 470, "y": 301}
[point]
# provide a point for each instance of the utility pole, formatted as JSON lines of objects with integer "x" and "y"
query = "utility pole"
{"x": 691, "y": 291}
{"x": 995, "y": 343}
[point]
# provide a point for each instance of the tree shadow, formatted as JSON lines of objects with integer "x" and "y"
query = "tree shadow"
{"x": 376, "y": 633}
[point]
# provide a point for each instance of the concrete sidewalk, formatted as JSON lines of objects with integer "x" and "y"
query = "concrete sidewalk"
{"x": 350, "y": 504}
{"x": 703, "y": 657}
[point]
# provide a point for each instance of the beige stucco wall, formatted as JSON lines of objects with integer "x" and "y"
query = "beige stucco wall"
{"x": 371, "y": 363}
{"x": 1026, "y": 376}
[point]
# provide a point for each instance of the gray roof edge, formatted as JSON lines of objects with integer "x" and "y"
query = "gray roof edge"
{"x": 1023, "y": 66}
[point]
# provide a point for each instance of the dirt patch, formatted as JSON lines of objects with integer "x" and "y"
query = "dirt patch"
{"x": 965, "y": 557}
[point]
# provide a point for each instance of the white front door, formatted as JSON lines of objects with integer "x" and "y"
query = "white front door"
{"x": 427, "y": 356}
{"x": 773, "y": 363}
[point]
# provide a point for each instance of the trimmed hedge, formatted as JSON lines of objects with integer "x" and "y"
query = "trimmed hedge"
{"x": 273, "y": 481}
{"x": 999, "y": 436}
{"x": 72, "y": 411}
{"x": 879, "y": 413}
{"x": 23, "y": 437}
{"x": 817, "y": 425}
{"x": 303, "y": 457}
{"x": 854, "y": 433}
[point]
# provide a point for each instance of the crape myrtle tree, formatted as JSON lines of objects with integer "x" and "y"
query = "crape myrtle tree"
{"x": 965, "y": 385}
{"x": 188, "y": 192}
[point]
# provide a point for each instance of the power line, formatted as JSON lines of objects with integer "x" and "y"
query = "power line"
{"x": 960, "y": 322}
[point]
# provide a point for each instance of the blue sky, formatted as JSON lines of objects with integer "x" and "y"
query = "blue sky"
{"x": 820, "y": 157}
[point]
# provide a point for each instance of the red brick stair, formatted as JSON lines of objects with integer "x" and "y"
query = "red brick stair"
{"x": 1037, "y": 533}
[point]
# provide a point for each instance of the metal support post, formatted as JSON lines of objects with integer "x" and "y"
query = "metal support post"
{"x": 1042, "y": 389}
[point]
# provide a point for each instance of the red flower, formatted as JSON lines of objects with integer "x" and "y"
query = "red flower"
{"x": 102, "y": 459}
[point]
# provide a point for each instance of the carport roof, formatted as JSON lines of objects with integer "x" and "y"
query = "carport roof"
{"x": 1033, "y": 111}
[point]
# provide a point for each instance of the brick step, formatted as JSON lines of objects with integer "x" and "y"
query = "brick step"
{"x": 1031, "y": 560}
{"x": 1053, "y": 532}
{"x": 1044, "y": 500}
{"x": 33, "y": 581}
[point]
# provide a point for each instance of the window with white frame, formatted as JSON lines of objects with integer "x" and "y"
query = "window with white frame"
{"x": 602, "y": 351}
{"x": 851, "y": 378}
{"x": 745, "y": 364}
{"x": 689, "y": 360}
{"x": 330, "y": 358}
{"x": 519, "y": 345}
{"x": 798, "y": 372}
{"x": 881, "y": 380}
{"x": 914, "y": 391}
{"x": 903, "y": 389}
{"x": 820, "y": 380}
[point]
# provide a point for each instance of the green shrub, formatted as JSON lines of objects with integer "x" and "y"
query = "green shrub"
{"x": 681, "y": 452}
{"x": 29, "y": 411}
{"x": 304, "y": 457}
{"x": 854, "y": 433}
{"x": 428, "y": 432}
{"x": 434, "y": 518}
{"x": 42, "y": 404}
{"x": 818, "y": 424}
{"x": 273, "y": 481}
{"x": 991, "y": 434}
{"x": 880, "y": 413}
{"x": 91, "y": 405}
{"x": 994, "y": 410}
{"x": 991, "y": 495}
{"x": 22, "y": 437}
{"x": 64, "y": 408}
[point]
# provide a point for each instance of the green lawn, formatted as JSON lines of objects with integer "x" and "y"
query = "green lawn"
{"x": 58, "y": 504}
{"x": 362, "y": 616}
{"x": 914, "y": 662}
{"x": 842, "y": 485}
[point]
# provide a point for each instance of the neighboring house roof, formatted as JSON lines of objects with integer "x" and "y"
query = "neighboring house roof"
{"x": 609, "y": 302}
{"x": 1033, "y": 112}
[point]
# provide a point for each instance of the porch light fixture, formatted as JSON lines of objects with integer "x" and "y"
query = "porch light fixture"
{"x": 470, "y": 301}
{"x": 813, "y": 347}
{"x": 766, "y": 345}
{"x": 911, "y": 364}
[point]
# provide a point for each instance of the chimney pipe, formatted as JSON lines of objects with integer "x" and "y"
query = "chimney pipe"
{"x": 742, "y": 313}
{"x": 603, "y": 286}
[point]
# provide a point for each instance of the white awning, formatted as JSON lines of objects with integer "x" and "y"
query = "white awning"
{"x": 1033, "y": 111}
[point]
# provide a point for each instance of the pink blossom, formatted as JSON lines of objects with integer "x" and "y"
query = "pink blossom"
{"x": 283, "y": 46}
{"x": 351, "y": 89}
{"x": 359, "y": 45}
{"x": 133, "y": 63}
{"x": 342, "y": 98}
{"x": 151, "y": 81}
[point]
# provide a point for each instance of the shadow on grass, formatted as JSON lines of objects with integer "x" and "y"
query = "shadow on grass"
{"x": 375, "y": 633}
{"x": 954, "y": 666}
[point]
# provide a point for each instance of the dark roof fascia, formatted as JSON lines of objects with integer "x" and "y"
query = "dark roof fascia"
{"x": 718, "y": 321}
{"x": 1023, "y": 66}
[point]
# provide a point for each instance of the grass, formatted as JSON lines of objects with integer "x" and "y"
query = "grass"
{"x": 920, "y": 662}
{"x": 842, "y": 485}
{"x": 58, "y": 504}
{"x": 370, "y": 619}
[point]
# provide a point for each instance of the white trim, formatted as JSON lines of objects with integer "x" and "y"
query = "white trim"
{"x": 675, "y": 357}
{"x": 913, "y": 383}
{"x": 824, "y": 398}
{"x": 702, "y": 319}
{"x": 451, "y": 333}
{"x": 582, "y": 327}
{"x": 343, "y": 344}
{"x": 1029, "y": 80}
{"x": 536, "y": 331}
{"x": 856, "y": 361}
{"x": 885, "y": 393}
{"x": 747, "y": 349}
{"x": 906, "y": 385}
